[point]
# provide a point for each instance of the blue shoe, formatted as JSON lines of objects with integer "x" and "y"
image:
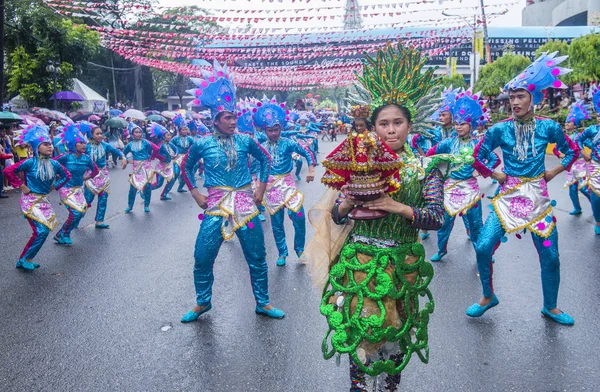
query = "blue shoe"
{"x": 128, "y": 210}
{"x": 165, "y": 198}
{"x": 26, "y": 265}
{"x": 438, "y": 256}
{"x": 425, "y": 235}
{"x": 281, "y": 261}
{"x": 298, "y": 177}
{"x": 193, "y": 316}
{"x": 576, "y": 211}
{"x": 597, "y": 230}
{"x": 494, "y": 181}
{"x": 262, "y": 208}
{"x": 62, "y": 240}
{"x": 561, "y": 318}
{"x": 261, "y": 217}
{"x": 477, "y": 310}
{"x": 273, "y": 313}
{"x": 181, "y": 190}
{"x": 146, "y": 209}
{"x": 101, "y": 226}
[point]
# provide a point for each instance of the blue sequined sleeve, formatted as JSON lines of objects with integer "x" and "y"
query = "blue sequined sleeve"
{"x": 310, "y": 158}
{"x": 189, "y": 163}
{"x": 263, "y": 158}
{"x": 565, "y": 145}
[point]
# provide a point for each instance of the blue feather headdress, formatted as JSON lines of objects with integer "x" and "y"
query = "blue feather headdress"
{"x": 449, "y": 97}
{"x": 157, "y": 131}
{"x": 35, "y": 135}
{"x": 215, "y": 90}
{"x": 596, "y": 98}
{"x": 469, "y": 109}
{"x": 86, "y": 128}
{"x": 578, "y": 113}
{"x": 270, "y": 113}
{"x": 245, "y": 116}
{"x": 540, "y": 75}
{"x": 71, "y": 136}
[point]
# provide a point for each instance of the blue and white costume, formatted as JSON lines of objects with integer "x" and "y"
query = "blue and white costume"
{"x": 98, "y": 185}
{"x": 165, "y": 170}
{"x": 523, "y": 201}
{"x": 231, "y": 209}
{"x": 72, "y": 194}
{"x": 462, "y": 195}
{"x": 142, "y": 152}
{"x": 281, "y": 192}
{"x": 41, "y": 174}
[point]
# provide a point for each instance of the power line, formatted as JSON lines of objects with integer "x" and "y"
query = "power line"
{"x": 111, "y": 68}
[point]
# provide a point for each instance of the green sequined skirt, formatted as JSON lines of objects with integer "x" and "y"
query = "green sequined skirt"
{"x": 378, "y": 295}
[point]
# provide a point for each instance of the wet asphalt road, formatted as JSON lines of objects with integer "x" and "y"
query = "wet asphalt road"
{"x": 103, "y": 314}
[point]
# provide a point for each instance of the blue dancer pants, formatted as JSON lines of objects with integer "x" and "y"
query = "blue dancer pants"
{"x": 170, "y": 184}
{"x": 133, "y": 191}
{"x": 207, "y": 247}
{"x": 38, "y": 237}
{"x": 71, "y": 223}
{"x": 102, "y": 203}
{"x": 299, "y": 223}
{"x": 473, "y": 221}
{"x": 298, "y": 167}
{"x": 595, "y": 200}
{"x": 574, "y": 195}
{"x": 489, "y": 240}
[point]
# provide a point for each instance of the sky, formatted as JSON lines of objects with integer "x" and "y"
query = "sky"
{"x": 412, "y": 14}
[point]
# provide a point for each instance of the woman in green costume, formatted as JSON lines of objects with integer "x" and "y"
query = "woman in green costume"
{"x": 376, "y": 297}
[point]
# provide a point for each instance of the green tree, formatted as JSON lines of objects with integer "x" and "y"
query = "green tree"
{"x": 456, "y": 81}
{"x": 35, "y": 35}
{"x": 584, "y": 58}
{"x": 493, "y": 77}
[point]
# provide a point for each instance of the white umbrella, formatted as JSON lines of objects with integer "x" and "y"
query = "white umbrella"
{"x": 132, "y": 113}
{"x": 168, "y": 114}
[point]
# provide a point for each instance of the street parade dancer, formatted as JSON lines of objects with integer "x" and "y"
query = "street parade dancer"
{"x": 576, "y": 177}
{"x": 166, "y": 170}
{"x": 72, "y": 195}
{"x": 245, "y": 125}
{"x": 183, "y": 141}
{"x": 230, "y": 208}
{"x": 377, "y": 266}
{"x": 281, "y": 192}
{"x": 591, "y": 137}
{"x": 461, "y": 190}
{"x": 443, "y": 114}
{"x": 97, "y": 149}
{"x": 142, "y": 152}
{"x": 41, "y": 175}
{"x": 523, "y": 202}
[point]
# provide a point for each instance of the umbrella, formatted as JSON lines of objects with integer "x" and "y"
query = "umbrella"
{"x": 32, "y": 119}
{"x": 116, "y": 122}
{"x": 156, "y": 117}
{"x": 93, "y": 117}
{"x": 10, "y": 117}
{"x": 133, "y": 113}
{"x": 68, "y": 96}
{"x": 81, "y": 116}
{"x": 502, "y": 97}
{"x": 115, "y": 112}
{"x": 151, "y": 112}
{"x": 168, "y": 114}
{"x": 62, "y": 117}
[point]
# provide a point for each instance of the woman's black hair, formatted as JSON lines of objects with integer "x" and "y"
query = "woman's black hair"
{"x": 404, "y": 111}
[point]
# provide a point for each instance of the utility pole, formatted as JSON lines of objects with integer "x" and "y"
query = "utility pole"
{"x": 486, "y": 41}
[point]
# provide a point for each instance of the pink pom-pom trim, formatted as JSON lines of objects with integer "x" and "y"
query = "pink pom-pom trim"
{"x": 531, "y": 87}
{"x": 556, "y": 72}
{"x": 557, "y": 83}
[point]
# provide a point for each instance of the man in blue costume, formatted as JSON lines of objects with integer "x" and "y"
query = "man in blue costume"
{"x": 523, "y": 201}
{"x": 230, "y": 208}
{"x": 281, "y": 190}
